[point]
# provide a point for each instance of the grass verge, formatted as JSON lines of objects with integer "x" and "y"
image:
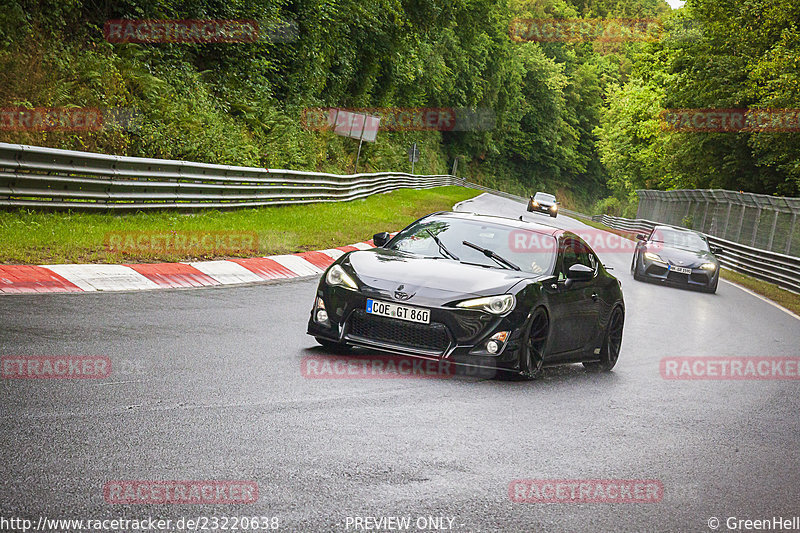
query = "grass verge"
{"x": 787, "y": 299}
{"x": 28, "y": 237}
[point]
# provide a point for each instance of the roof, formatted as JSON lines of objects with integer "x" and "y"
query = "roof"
{"x": 674, "y": 228}
{"x": 505, "y": 221}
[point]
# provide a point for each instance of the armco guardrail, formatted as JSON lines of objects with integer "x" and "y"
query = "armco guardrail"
{"x": 782, "y": 270}
{"x": 37, "y": 177}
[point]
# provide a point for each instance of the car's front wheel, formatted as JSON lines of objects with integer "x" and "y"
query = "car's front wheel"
{"x": 530, "y": 207}
{"x": 635, "y": 269}
{"x": 531, "y": 356}
{"x": 713, "y": 287}
{"x": 333, "y": 347}
{"x": 612, "y": 342}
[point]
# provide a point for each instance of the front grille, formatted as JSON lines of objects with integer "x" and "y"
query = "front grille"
{"x": 678, "y": 277}
{"x": 406, "y": 334}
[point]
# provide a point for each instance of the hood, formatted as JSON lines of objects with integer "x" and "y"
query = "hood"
{"x": 546, "y": 203}
{"x": 683, "y": 257}
{"x": 427, "y": 280}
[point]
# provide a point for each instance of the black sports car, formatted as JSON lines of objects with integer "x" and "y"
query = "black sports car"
{"x": 483, "y": 291}
{"x": 542, "y": 202}
{"x": 676, "y": 256}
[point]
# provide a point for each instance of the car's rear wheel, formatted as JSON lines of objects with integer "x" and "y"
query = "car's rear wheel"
{"x": 333, "y": 347}
{"x": 612, "y": 342}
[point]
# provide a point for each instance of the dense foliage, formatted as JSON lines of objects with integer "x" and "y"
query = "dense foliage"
{"x": 716, "y": 54}
{"x": 580, "y": 119}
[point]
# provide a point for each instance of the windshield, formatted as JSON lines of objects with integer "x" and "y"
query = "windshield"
{"x": 544, "y": 197}
{"x": 679, "y": 239}
{"x": 532, "y": 251}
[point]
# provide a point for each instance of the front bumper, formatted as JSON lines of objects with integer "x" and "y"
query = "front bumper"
{"x": 455, "y": 335}
{"x": 541, "y": 209}
{"x": 660, "y": 272}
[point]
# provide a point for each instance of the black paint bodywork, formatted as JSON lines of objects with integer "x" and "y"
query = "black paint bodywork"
{"x": 578, "y": 312}
{"x": 644, "y": 269}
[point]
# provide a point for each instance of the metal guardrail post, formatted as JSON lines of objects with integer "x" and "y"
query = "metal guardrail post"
{"x": 772, "y": 233}
{"x": 755, "y": 226}
{"x": 739, "y": 227}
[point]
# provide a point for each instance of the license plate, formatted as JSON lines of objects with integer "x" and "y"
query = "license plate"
{"x": 402, "y": 312}
{"x": 680, "y": 270}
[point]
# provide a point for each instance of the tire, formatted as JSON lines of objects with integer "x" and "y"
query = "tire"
{"x": 530, "y": 207}
{"x": 612, "y": 342}
{"x": 531, "y": 356}
{"x": 333, "y": 347}
{"x": 554, "y": 216}
{"x": 713, "y": 288}
{"x": 635, "y": 269}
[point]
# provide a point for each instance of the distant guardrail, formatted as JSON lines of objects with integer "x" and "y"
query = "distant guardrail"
{"x": 49, "y": 178}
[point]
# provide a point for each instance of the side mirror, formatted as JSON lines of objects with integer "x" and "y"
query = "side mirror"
{"x": 379, "y": 239}
{"x": 579, "y": 272}
{"x": 641, "y": 237}
{"x": 716, "y": 250}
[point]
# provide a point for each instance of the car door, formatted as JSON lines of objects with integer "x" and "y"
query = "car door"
{"x": 574, "y": 305}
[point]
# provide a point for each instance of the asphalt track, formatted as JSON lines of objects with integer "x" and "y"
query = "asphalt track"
{"x": 207, "y": 385}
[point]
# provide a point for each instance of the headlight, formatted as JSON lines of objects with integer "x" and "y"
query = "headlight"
{"x": 535, "y": 203}
{"x": 497, "y": 305}
{"x": 708, "y": 266}
{"x": 553, "y": 207}
{"x": 653, "y": 257}
{"x": 336, "y": 276}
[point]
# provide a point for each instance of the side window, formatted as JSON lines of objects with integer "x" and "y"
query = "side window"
{"x": 568, "y": 258}
{"x": 576, "y": 252}
{"x": 584, "y": 256}
{"x": 593, "y": 261}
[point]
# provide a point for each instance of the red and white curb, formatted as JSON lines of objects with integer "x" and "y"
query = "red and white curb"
{"x": 15, "y": 279}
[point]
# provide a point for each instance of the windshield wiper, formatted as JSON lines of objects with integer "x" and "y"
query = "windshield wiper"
{"x": 492, "y": 255}
{"x": 442, "y": 247}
